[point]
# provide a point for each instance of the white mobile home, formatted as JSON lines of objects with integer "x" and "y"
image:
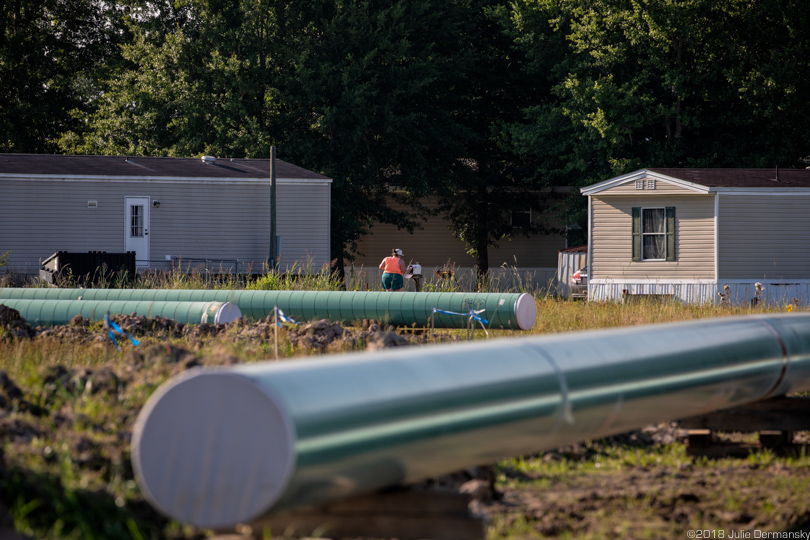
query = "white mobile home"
{"x": 689, "y": 233}
{"x": 167, "y": 210}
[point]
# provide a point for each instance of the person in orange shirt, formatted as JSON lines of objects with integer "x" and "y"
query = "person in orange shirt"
{"x": 393, "y": 267}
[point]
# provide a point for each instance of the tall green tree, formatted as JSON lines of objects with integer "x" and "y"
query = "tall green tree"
{"x": 674, "y": 82}
{"x": 51, "y": 54}
{"x": 200, "y": 78}
{"x": 489, "y": 180}
{"x": 363, "y": 91}
{"x": 376, "y": 90}
{"x": 668, "y": 83}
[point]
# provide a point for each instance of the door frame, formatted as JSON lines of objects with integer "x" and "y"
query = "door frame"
{"x": 146, "y": 219}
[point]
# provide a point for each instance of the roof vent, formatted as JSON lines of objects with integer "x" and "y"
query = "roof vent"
{"x": 209, "y": 159}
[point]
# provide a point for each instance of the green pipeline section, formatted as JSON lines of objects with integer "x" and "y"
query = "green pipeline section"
{"x": 509, "y": 311}
{"x": 59, "y": 312}
{"x": 217, "y": 447}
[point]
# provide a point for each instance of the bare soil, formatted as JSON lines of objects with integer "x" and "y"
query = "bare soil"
{"x": 728, "y": 497}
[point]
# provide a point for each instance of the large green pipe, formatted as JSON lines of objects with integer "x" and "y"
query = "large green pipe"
{"x": 216, "y": 447}
{"x": 510, "y": 311}
{"x": 58, "y": 312}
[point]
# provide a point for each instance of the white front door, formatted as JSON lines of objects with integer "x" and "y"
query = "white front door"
{"x": 136, "y": 229}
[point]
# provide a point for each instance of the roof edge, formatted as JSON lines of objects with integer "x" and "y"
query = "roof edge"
{"x": 164, "y": 179}
{"x": 643, "y": 173}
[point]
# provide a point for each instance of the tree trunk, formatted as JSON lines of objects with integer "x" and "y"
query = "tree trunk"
{"x": 482, "y": 261}
{"x": 481, "y": 245}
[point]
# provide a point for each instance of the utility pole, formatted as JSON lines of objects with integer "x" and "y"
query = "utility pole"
{"x": 271, "y": 260}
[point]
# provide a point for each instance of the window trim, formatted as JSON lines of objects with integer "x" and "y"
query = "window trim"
{"x": 136, "y": 221}
{"x": 670, "y": 231}
{"x": 643, "y": 234}
{"x": 512, "y": 217}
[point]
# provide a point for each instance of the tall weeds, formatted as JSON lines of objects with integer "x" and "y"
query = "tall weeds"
{"x": 297, "y": 278}
{"x": 557, "y": 315}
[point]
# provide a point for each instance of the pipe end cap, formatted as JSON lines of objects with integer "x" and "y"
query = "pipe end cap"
{"x": 228, "y": 312}
{"x": 213, "y": 449}
{"x": 525, "y": 311}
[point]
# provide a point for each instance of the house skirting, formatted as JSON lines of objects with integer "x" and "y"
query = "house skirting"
{"x": 702, "y": 292}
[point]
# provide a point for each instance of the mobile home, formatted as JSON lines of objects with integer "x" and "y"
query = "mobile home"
{"x": 167, "y": 210}
{"x": 689, "y": 233}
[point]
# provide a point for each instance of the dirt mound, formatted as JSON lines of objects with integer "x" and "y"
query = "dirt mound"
{"x": 102, "y": 380}
{"x": 12, "y": 398}
{"x": 75, "y": 333}
{"x": 9, "y": 315}
{"x": 10, "y": 393}
{"x": 140, "y": 325}
{"x": 18, "y": 430}
{"x": 326, "y": 335}
{"x": 13, "y": 325}
{"x": 384, "y": 340}
{"x": 58, "y": 379}
{"x": 318, "y": 336}
{"x": 162, "y": 352}
{"x": 204, "y": 330}
{"x": 260, "y": 331}
{"x": 81, "y": 330}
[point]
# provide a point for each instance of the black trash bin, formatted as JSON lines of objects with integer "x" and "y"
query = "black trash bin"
{"x": 87, "y": 268}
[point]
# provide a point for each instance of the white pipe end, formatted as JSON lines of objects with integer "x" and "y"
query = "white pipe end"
{"x": 212, "y": 449}
{"x": 228, "y": 312}
{"x": 525, "y": 311}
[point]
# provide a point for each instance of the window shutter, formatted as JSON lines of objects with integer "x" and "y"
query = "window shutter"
{"x": 636, "y": 233}
{"x": 670, "y": 212}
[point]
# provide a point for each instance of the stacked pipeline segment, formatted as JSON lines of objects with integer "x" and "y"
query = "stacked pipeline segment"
{"x": 59, "y": 312}
{"x": 509, "y": 311}
{"x": 217, "y": 447}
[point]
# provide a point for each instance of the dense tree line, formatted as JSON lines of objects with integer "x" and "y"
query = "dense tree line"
{"x": 484, "y": 105}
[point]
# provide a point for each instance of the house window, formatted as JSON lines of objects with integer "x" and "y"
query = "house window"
{"x": 650, "y": 183}
{"x": 521, "y": 218}
{"x": 639, "y": 184}
{"x": 136, "y": 222}
{"x": 653, "y": 234}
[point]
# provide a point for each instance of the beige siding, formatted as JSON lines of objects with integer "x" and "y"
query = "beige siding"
{"x": 764, "y": 237}
{"x": 435, "y": 245}
{"x": 661, "y": 188}
{"x": 612, "y": 238}
{"x": 206, "y": 220}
